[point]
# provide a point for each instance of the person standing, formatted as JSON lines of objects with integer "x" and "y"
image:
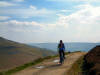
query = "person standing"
{"x": 61, "y": 50}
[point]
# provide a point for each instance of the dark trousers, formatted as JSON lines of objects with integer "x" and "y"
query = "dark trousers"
{"x": 61, "y": 53}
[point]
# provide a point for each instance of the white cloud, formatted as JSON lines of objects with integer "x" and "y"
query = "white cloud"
{"x": 21, "y": 23}
{"x": 33, "y": 7}
{"x": 4, "y": 18}
{"x": 27, "y": 12}
{"x": 65, "y": 11}
{"x": 18, "y": 0}
{"x": 82, "y": 25}
{"x": 6, "y": 4}
{"x": 86, "y": 22}
{"x": 74, "y": 0}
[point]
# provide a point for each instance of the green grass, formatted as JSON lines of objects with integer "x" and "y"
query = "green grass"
{"x": 76, "y": 68}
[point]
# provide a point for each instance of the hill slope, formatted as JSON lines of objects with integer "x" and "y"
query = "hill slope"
{"x": 92, "y": 60}
{"x": 13, "y": 54}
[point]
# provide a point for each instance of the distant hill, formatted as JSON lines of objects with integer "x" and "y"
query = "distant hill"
{"x": 76, "y": 46}
{"x": 13, "y": 54}
{"x": 92, "y": 61}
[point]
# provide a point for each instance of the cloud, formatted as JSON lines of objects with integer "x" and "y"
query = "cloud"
{"x": 84, "y": 18}
{"x": 4, "y": 18}
{"x": 85, "y": 22}
{"x": 18, "y": 0}
{"x": 25, "y": 26}
{"x": 21, "y": 24}
{"x": 6, "y": 4}
{"x": 27, "y": 12}
{"x": 13, "y": 0}
{"x": 81, "y": 25}
{"x": 74, "y": 0}
{"x": 65, "y": 11}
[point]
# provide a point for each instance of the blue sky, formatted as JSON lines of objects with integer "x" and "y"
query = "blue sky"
{"x": 35, "y": 21}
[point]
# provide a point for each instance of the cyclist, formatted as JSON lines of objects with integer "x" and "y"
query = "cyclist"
{"x": 61, "y": 51}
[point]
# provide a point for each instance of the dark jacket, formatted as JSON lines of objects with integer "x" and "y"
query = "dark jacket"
{"x": 61, "y": 47}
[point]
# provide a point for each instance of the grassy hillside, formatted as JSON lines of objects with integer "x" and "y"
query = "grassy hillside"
{"x": 92, "y": 61}
{"x": 13, "y": 54}
{"x": 87, "y": 65}
{"x": 77, "y": 67}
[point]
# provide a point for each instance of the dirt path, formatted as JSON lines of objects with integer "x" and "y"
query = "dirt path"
{"x": 51, "y": 66}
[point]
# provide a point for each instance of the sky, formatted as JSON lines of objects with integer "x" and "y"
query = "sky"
{"x": 41, "y": 21}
